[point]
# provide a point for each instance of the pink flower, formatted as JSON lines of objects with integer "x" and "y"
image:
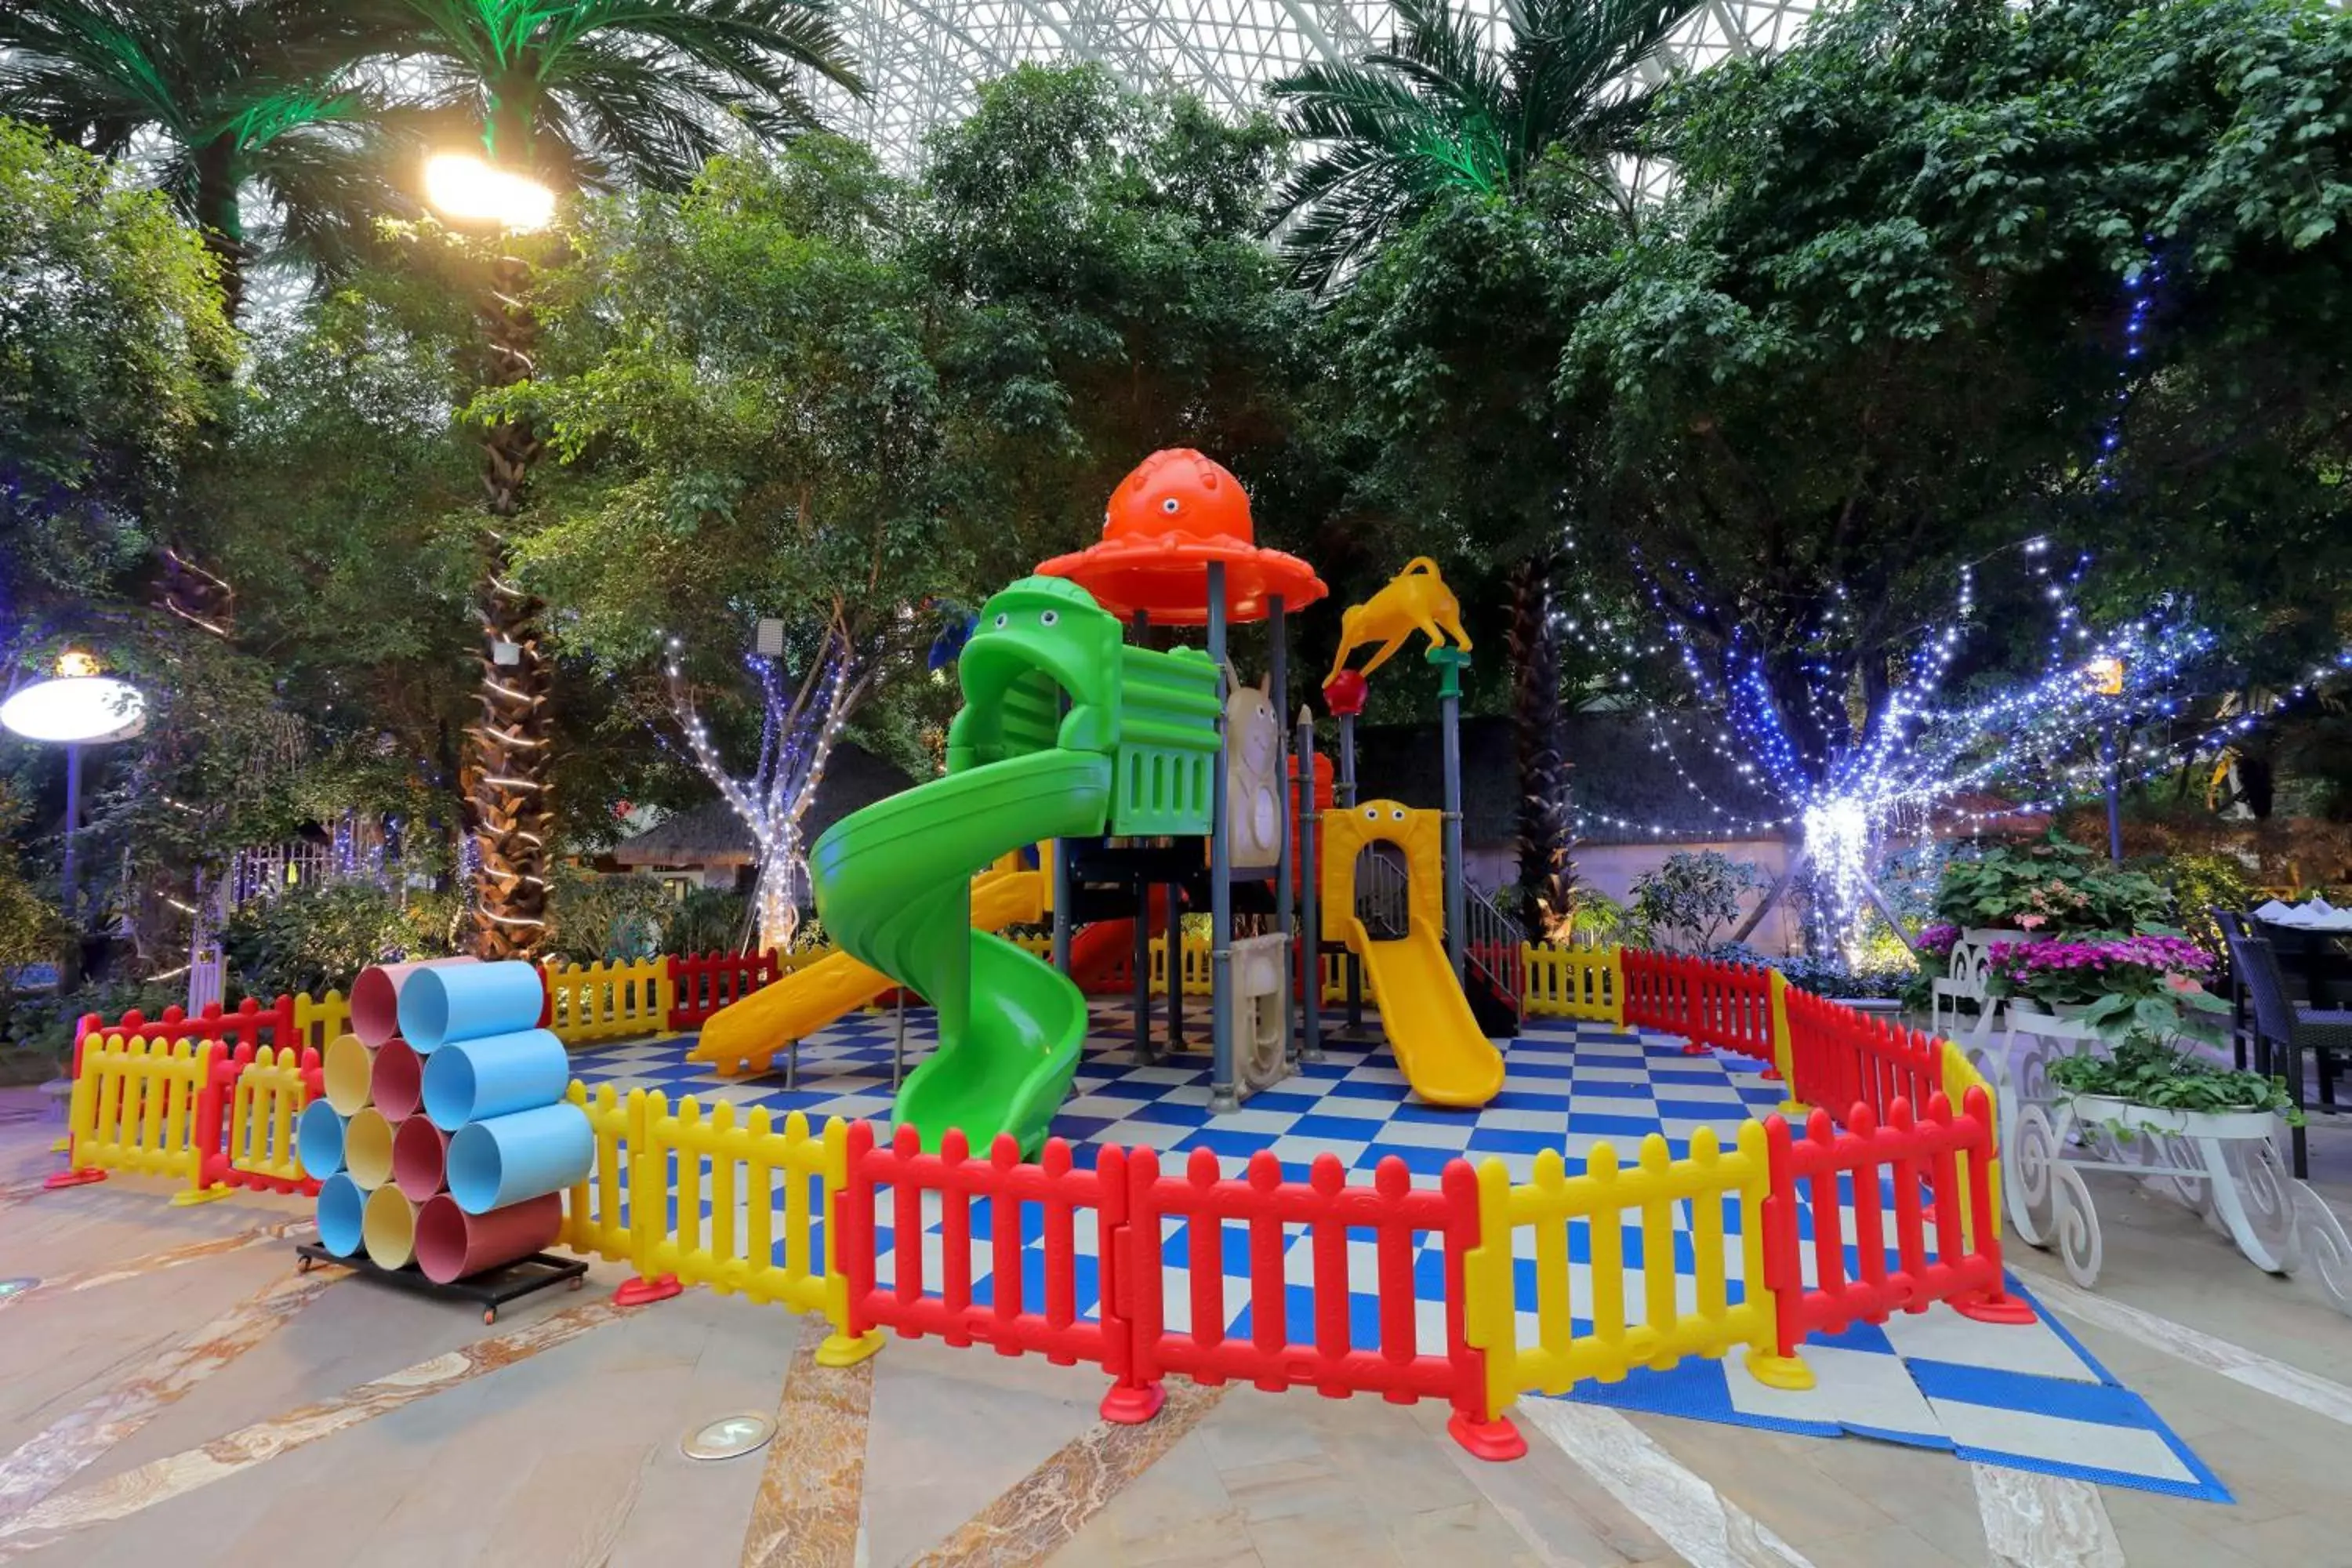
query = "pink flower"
{"x": 2032, "y": 922}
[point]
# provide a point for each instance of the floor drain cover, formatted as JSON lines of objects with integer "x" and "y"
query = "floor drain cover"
{"x": 729, "y": 1437}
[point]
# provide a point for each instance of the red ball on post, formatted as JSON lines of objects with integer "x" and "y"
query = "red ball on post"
{"x": 1344, "y": 694}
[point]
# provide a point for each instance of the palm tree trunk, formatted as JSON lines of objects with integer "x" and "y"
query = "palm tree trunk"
{"x": 506, "y": 773}
{"x": 220, "y": 220}
{"x": 1547, "y": 873}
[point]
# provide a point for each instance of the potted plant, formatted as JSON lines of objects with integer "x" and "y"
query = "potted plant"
{"x": 2055, "y": 887}
{"x": 2148, "y": 1085}
{"x": 2151, "y": 982}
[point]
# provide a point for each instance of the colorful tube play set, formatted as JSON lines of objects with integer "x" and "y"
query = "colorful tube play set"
{"x": 462, "y": 1111}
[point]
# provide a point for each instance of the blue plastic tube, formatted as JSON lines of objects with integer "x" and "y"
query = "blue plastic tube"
{"x": 319, "y": 1140}
{"x": 469, "y": 1001}
{"x": 470, "y": 1081}
{"x": 508, "y": 1158}
{"x": 342, "y": 1208}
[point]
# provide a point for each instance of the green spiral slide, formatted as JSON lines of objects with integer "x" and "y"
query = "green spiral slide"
{"x": 1065, "y": 732}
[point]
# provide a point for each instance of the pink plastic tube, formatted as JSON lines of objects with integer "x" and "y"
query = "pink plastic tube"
{"x": 396, "y": 1081}
{"x": 420, "y": 1152}
{"x": 452, "y": 1244}
{"x": 375, "y": 996}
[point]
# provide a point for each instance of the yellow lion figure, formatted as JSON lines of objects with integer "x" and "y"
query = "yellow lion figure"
{"x": 1415, "y": 599}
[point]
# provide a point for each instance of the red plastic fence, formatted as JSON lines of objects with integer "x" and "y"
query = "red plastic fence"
{"x": 915, "y": 1307}
{"x": 248, "y": 1025}
{"x": 1940, "y": 1170}
{"x": 1707, "y": 1001}
{"x": 703, "y": 982}
{"x": 210, "y": 1131}
{"x": 1130, "y": 1201}
{"x": 1840, "y": 1058}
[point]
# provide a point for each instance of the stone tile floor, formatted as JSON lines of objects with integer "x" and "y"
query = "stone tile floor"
{"x": 145, "y": 1420}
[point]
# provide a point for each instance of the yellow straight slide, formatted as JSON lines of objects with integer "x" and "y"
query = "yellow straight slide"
{"x": 745, "y": 1036}
{"x": 1446, "y": 1058}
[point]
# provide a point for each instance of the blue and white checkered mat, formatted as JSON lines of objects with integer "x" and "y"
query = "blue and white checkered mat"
{"x": 2026, "y": 1396}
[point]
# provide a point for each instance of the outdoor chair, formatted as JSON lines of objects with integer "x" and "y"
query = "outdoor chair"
{"x": 2235, "y": 929}
{"x": 2281, "y": 1024}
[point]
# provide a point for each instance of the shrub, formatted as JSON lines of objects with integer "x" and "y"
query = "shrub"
{"x": 317, "y": 937}
{"x": 707, "y": 919}
{"x": 592, "y": 918}
{"x": 2201, "y": 883}
{"x": 1687, "y": 901}
{"x": 2052, "y": 888}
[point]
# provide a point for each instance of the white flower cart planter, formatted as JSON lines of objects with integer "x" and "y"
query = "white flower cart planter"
{"x": 1958, "y": 1007}
{"x": 2224, "y": 1165}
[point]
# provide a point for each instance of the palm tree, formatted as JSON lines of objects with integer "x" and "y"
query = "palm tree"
{"x": 578, "y": 94}
{"x": 1436, "y": 114}
{"x": 1436, "y": 111}
{"x": 231, "y": 106}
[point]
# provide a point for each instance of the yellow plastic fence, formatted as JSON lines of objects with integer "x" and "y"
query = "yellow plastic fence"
{"x": 609, "y": 1001}
{"x": 1679, "y": 1315}
{"x": 318, "y": 1020}
{"x": 766, "y": 1185}
{"x": 268, "y": 1097}
{"x": 1956, "y": 1078}
{"x": 1200, "y": 971}
{"x": 134, "y": 1106}
{"x": 1586, "y": 982}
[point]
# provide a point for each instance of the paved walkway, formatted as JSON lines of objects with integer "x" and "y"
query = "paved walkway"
{"x": 173, "y": 1394}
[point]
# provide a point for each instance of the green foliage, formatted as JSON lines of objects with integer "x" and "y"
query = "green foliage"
{"x": 2142, "y": 1069}
{"x": 1691, "y": 897}
{"x": 1600, "y": 921}
{"x": 593, "y": 918}
{"x": 606, "y": 96}
{"x": 1929, "y": 196}
{"x": 1434, "y": 111}
{"x": 2051, "y": 888}
{"x": 2201, "y": 884}
{"x": 234, "y": 110}
{"x": 37, "y": 1030}
{"x": 318, "y": 937}
{"x": 707, "y": 919}
{"x": 105, "y": 366}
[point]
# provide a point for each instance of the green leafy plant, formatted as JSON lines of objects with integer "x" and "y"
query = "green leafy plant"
{"x": 2202, "y": 883}
{"x": 2050, "y": 888}
{"x": 2143, "y": 1069}
{"x": 597, "y": 918}
{"x": 2148, "y": 983}
{"x": 1600, "y": 921}
{"x": 1687, "y": 900}
{"x": 319, "y": 937}
{"x": 707, "y": 919}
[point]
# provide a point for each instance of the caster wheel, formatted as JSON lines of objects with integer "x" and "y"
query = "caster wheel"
{"x": 490, "y": 1314}
{"x": 577, "y": 1281}
{"x": 301, "y": 1265}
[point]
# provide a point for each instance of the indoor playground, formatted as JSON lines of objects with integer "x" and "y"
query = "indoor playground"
{"x": 1153, "y": 1038}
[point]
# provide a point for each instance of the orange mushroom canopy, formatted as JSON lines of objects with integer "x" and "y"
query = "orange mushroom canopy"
{"x": 1177, "y": 512}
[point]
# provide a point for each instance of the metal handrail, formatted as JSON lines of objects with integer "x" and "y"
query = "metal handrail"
{"x": 1383, "y": 899}
{"x": 1493, "y": 941}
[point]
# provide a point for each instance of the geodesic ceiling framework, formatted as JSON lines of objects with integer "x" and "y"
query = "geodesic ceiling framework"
{"x": 923, "y": 60}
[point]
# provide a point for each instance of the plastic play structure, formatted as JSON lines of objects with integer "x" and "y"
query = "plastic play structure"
{"x": 1161, "y": 781}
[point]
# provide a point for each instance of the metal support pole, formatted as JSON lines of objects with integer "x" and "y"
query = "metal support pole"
{"x": 1277, "y": 625}
{"x": 1310, "y": 932}
{"x": 73, "y": 830}
{"x": 1344, "y": 796}
{"x": 897, "y": 1042}
{"x": 1175, "y": 943}
{"x": 1143, "y": 1052}
{"x": 1449, "y": 662}
{"x": 1221, "y": 1097}
{"x": 2114, "y": 797}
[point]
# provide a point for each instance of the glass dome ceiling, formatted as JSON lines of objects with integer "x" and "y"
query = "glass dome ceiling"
{"x": 923, "y": 59}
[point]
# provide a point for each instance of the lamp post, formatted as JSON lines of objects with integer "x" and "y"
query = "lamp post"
{"x": 2105, "y": 676}
{"x": 77, "y": 707}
